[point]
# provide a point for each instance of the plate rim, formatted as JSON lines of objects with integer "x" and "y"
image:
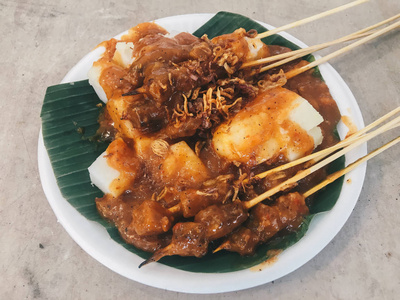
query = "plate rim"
{"x": 187, "y": 282}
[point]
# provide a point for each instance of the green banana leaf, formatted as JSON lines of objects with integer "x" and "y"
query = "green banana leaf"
{"x": 69, "y": 116}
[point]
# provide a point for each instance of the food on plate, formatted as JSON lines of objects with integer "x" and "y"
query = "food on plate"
{"x": 189, "y": 131}
{"x": 272, "y": 125}
{"x": 265, "y": 221}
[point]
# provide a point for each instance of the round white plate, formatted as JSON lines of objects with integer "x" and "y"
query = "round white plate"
{"x": 94, "y": 239}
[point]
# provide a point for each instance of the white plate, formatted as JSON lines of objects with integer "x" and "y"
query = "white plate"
{"x": 94, "y": 239}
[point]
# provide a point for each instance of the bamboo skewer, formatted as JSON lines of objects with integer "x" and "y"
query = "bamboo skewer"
{"x": 289, "y": 56}
{"x": 332, "y": 177}
{"x": 364, "y": 40}
{"x": 305, "y": 51}
{"x": 350, "y": 143}
{"x": 310, "y": 50}
{"x": 175, "y": 209}
{"x": 317, "y": 159}
{"x": 377, "y": 122}
{"x": 353, "y": 138}
{"x": 304, "y": 173}
{"x": 310, "y": 19}
{"x": 352, "y": 166}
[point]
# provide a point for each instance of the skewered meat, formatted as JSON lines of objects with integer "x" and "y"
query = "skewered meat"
{"x": 213, "y": 191}
{"x": 219, "y": 220}
{"x": 152, "y": 218}
{"x": 118, "y": 209}
{"x": 157, "y": 67}
{"x": 190, "y": 127}
{"x": 188, "y": 239}
{"x": 266, "y": 221}
{"x": 192, "y": 238}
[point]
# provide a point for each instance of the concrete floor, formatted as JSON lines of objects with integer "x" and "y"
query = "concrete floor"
{"x": 41, "y": 40}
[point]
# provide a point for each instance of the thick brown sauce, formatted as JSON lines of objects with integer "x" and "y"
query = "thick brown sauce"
{"x": 121, "y": 210}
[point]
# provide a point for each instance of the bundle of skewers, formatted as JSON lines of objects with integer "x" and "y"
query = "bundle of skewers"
{"x": 184, "y": 221}
{"x": 264, "y": 221}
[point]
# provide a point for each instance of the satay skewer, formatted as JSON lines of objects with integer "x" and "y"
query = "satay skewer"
{"x": 304, "y": 173}
{"x": 284, "y": 58}
{"x": 354, "y": 140}
{"x": 289, "y": 56}
{"x": 330, "y": 179}
{"x": 347, "y": 141}
{"x": 324, "y": 59}
{"x": 201, "y": 235}
{"x": 310, "y": 19}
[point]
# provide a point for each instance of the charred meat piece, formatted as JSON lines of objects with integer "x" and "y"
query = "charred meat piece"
{"x": 150, "y": 243}
{"x": 219, "y": 220}
{"x": 214, "y": 191}
{"x": 188, "y": 239}
{"x": 192, "y": 238}
{"x": 266, "y": 221}
{"x": 243, "y": 241}
{"x": 146, "y": 116}
{"x": 165, "y": 65}
{"x": 117, "y": 210}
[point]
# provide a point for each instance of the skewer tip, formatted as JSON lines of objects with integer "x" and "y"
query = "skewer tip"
{"x": 218, "y": 249}
{"x": 147, "y": 261}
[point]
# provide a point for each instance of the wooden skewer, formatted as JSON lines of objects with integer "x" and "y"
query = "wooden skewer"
{"x": 175, "y": 209}
{"x": 305, "y": 51}
{"x": 310, "y": 19}
{"x": 351, "y": 139}
{"x": 317, "y": 159}
{"x": 292, "y": 55}
{"x": 355, "y": 138}
{"x": 298, "y": 71}
{"x": 356, "y": 35}
{"x": 304, "y": 173}
{"x": 332, "y": 177}
{"x": 376, "y": 122}
{"x": 310, "y": 50}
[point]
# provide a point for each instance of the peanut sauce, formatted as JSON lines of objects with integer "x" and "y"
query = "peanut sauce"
{"x": 164, "y": 92}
